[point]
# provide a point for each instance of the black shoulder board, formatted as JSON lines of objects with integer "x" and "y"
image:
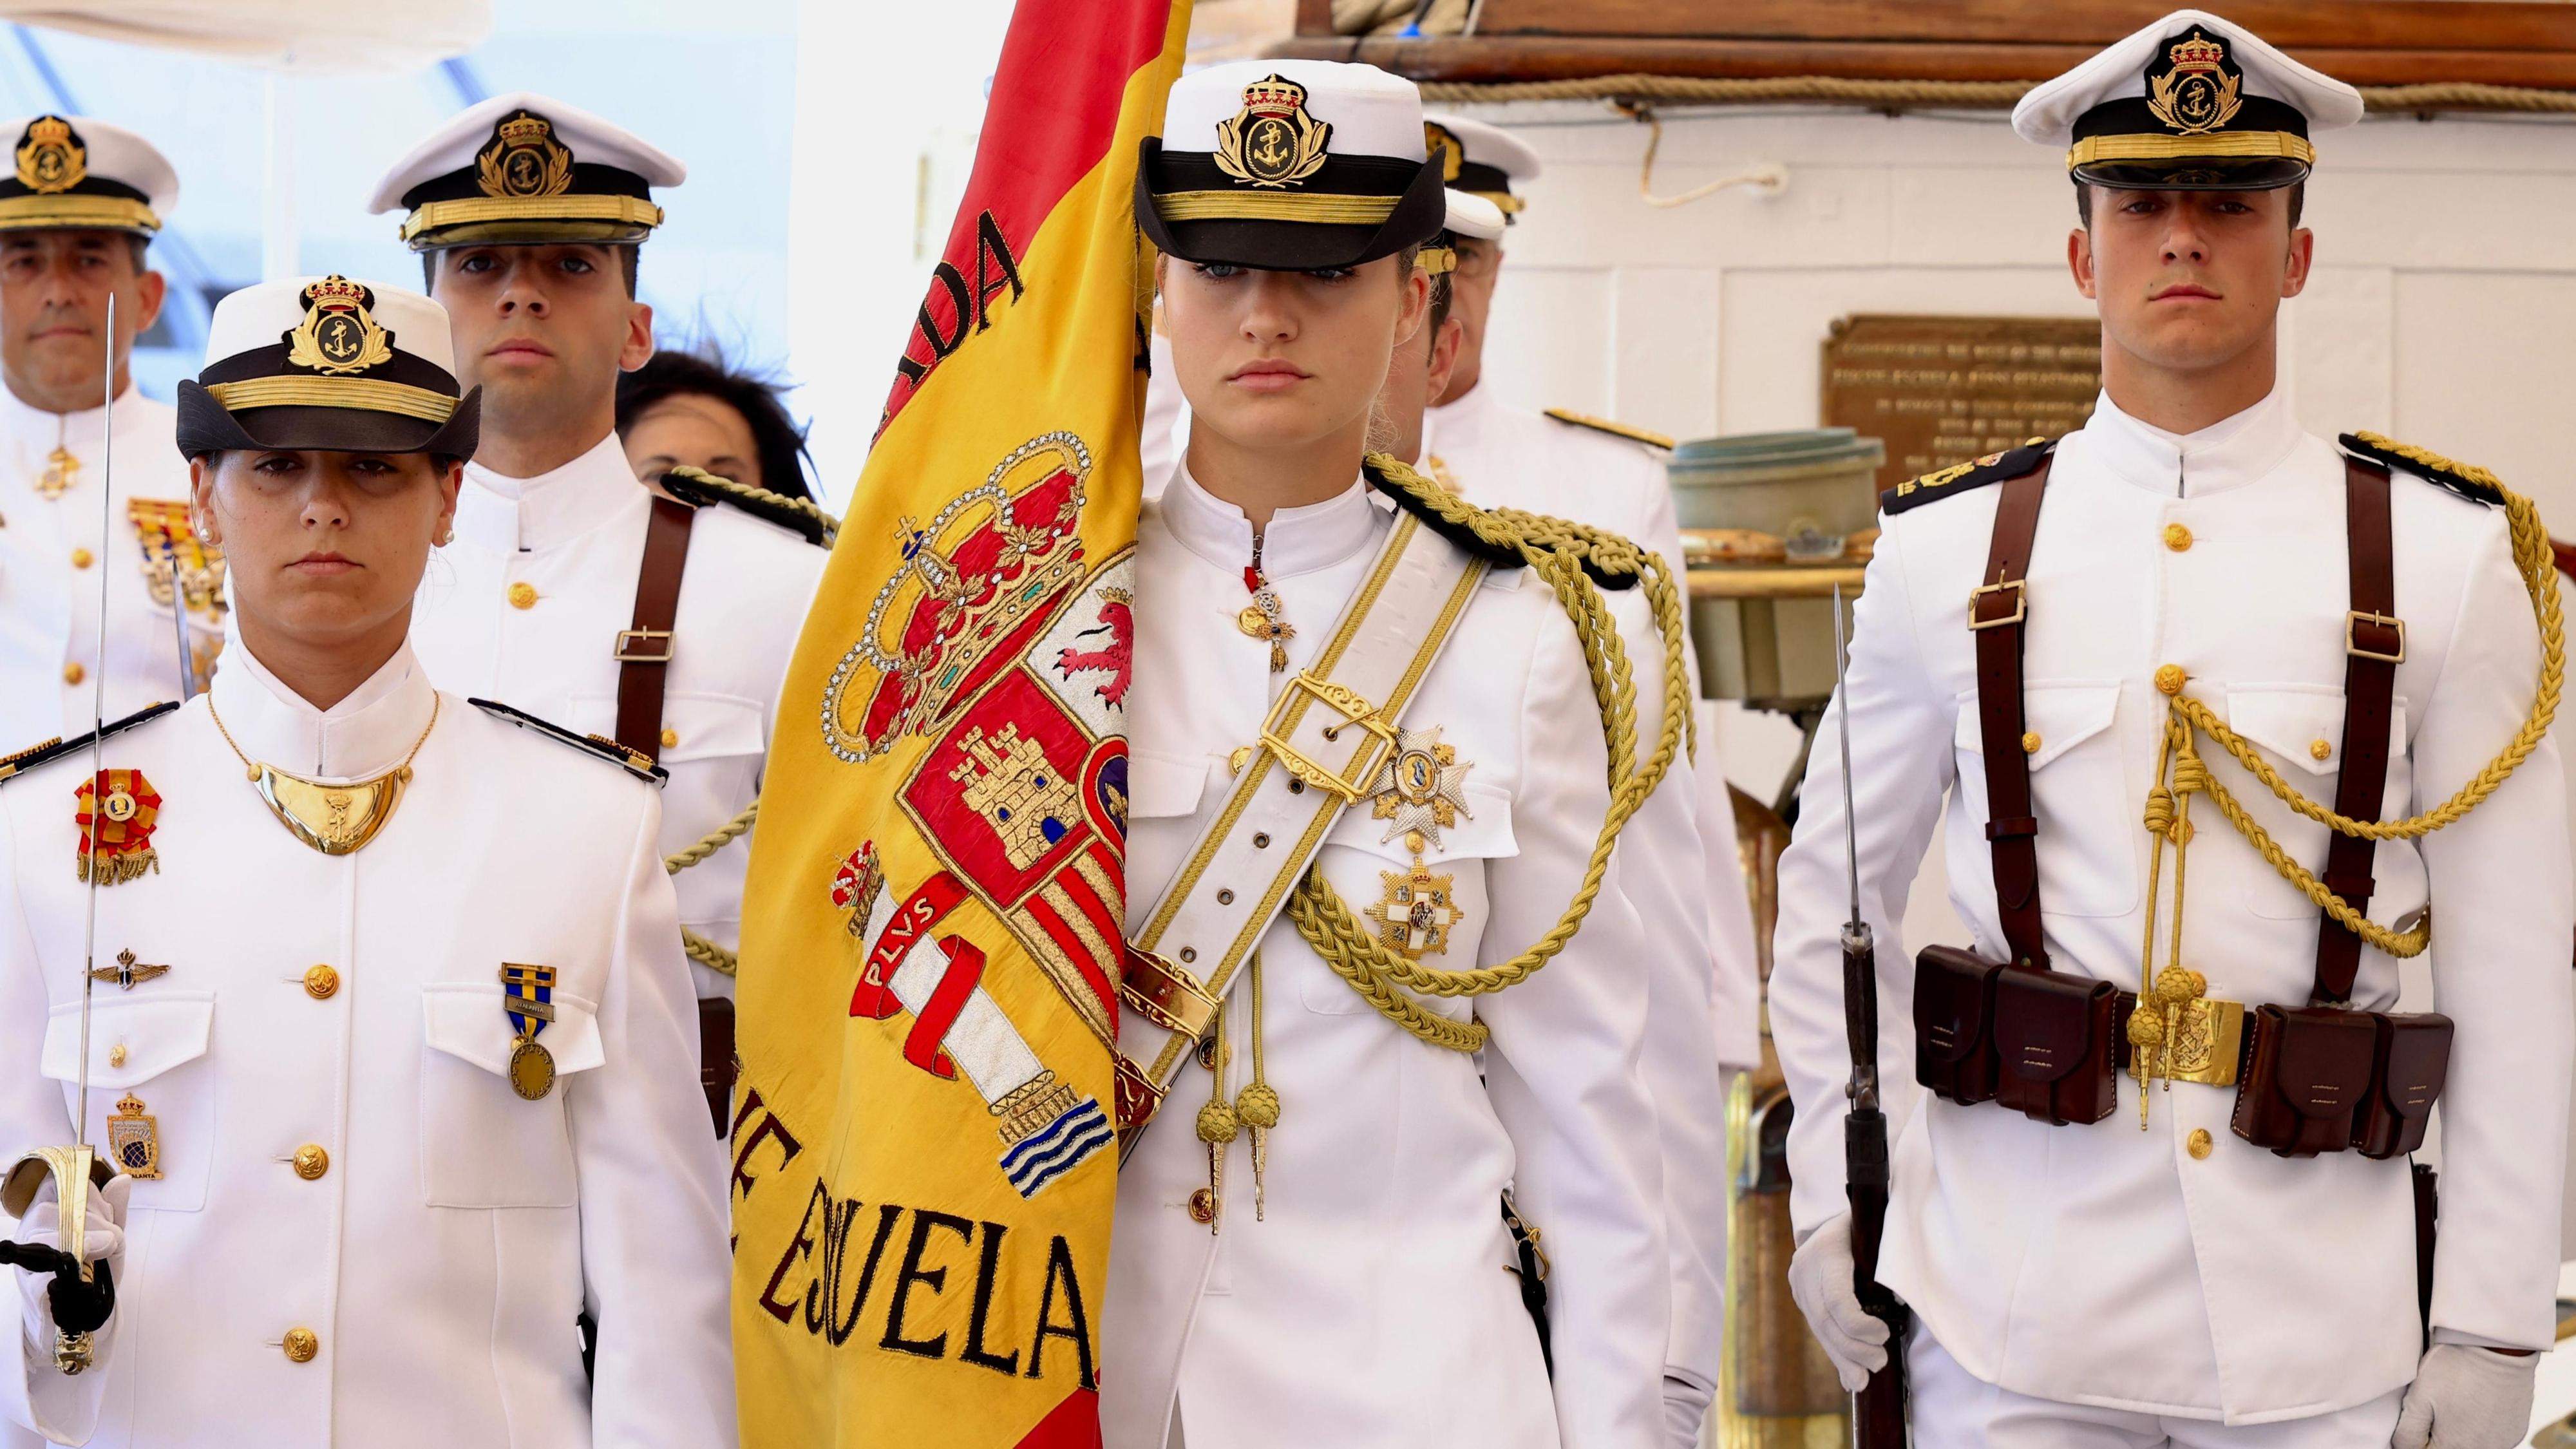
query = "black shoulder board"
{"x": 1496, "y": 555}
{"x": 2466, "y": 479}
{"x": 1613, "y": 427}
{"x": 54, "y": 749}
{"x": 607, "y": 749}
{"x": 698, "y": 488}
{"x": 1960, "y": 477}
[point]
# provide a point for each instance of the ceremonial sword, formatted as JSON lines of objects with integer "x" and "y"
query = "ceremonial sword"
{"x": 83, "y": 1293}
{"x": 1878, "y": 1419}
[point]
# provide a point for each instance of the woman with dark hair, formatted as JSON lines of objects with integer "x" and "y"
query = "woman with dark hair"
{"x": 681, "y": 410}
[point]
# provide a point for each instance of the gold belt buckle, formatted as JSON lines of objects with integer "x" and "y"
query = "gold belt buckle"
{"x": 1355, "y": 709}
{"x": 1164, "y": 994}
{"x": 643, "y": 646}
{"x": 2020, "y": 610}
{"x": 2207, "y": 1045}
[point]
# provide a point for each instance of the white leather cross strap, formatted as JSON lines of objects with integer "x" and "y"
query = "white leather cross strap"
{"x": 1329, "y": 735}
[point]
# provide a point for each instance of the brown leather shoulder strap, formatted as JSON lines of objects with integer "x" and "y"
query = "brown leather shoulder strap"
{"x": 1997, "y": 612}
{"x": 644, "y": 650}
{"x": 2374, "y": 641}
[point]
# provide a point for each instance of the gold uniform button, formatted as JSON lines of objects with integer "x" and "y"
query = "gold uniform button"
{"x": 2198, "y": 1144}
{"x": 2169, "y": 680}
{"x": 311, "y": 1161}
{"x": 321, "y": 983}
{"x": 2177, "y": 537}
{"x": 2030, "y": 742}
{"x": 2319, "y": 750}
{"x": 73, "y": 673}
{"x": 670, "y": 738}
{"x": 1203, "y": 1206}
{"x": 116, "y": 1055}
{"x": 523, "y": 595}
{"x": 301, "y": 1345}
{"x": 1235, "y": 762}
{"x": 81, "y": 558}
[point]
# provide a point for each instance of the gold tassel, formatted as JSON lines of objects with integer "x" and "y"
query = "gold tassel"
{"x": 118, "y": 869}
{"x": 1217, "y": 1127}
{"x": 1258, "y": 1107}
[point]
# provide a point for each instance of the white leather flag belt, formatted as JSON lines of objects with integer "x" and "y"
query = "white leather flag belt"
{"x": 1329, "y": 736}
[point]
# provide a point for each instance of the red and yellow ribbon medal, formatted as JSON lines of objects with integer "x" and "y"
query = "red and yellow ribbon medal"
{"x": 527, "y": 995}
{"x": 116, "y": 815}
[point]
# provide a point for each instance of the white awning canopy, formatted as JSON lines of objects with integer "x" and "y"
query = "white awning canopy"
{"x": 294, "y": 35}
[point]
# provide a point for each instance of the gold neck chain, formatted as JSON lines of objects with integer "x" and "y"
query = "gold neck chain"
{"x": 333, "y": 819}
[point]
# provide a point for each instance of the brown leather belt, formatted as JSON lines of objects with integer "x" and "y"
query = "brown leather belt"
{"x": 644, "y": 650}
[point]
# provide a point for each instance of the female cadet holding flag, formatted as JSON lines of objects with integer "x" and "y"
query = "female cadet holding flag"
{"x": 1322, "y": 1237}
{"x": 394, "y": 1047}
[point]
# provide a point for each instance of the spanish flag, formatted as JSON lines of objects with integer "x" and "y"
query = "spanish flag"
{"x": 925, "y": 1137}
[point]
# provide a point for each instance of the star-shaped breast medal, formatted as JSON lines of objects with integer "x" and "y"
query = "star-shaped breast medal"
{"x": 1423, "y": 789}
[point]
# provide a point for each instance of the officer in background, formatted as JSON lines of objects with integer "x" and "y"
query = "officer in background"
{"x": 2154, "y": 1196}
{"x": 663, "y": 620}
{"x": 388, "y": 1028}
{"x": 76, "y": 214}
{"x": 1666, "y": 870}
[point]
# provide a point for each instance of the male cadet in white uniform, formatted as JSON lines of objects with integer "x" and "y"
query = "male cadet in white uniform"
{"x": 2150, "y": 1267}
{"x": 572, "y": 592}
{"x": 76, "y": 212}
{"x": 1594, "y": 471}
{"x": 1665, "y": 870}
{"x": 388, "y": 1040}
{"x": 1341, "y": 1277}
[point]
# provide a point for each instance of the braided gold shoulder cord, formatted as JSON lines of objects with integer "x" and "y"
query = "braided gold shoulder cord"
{"x": 2533, "y": 560}
{"x": 1556, "y": 551}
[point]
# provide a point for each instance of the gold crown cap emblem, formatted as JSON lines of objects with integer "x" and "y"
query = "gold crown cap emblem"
{"x": 2198, "y": 52}
{"x": 50, "y": 131}
{"x": 130, "y": 1104}
{"x": 336, "y": 289}
{"x": 1274, "y": 96}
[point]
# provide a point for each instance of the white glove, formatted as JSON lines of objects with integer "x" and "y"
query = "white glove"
{"x": 2466, "y": 1397}
{"x": 1685, "y": 1407}
{"x": 1820, "y": 1278}
{"x": 42, "y": 1224}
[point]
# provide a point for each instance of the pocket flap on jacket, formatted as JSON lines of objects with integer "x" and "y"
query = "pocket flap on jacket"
{"x": 2061, "y": 715}
{"x": 2290, "y": 721}
{"x": 1482, "y": 831}
{"x": 155, "y": 1033}
{"x": 466, "y": 1022}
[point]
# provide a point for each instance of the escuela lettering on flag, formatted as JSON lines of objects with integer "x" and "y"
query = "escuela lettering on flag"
{"x": 925, "y": 1136}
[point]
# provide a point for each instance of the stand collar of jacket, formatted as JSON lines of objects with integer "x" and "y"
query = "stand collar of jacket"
{"x": 363, "y": 735}
{"x": 1297, "y": 541}
{"x": 515, "y": 514}
{"x": 1459, "y": 424}
{"x": 2227, "y": 454}
{"x": 30, "y": 426}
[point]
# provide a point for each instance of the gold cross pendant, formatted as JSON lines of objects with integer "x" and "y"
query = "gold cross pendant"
{"x": 1260, "y": 625}
{"x": 62, "y": 470}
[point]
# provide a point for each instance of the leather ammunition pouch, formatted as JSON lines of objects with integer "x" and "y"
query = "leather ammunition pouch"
{"x": 2053, "y": 1046}
{"x": 2320, "y": 1079}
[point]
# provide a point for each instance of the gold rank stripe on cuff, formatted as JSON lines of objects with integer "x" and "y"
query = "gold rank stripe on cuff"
{"x": 2225, "y": 146}
{"x": 633, "y": 210}
{"x": 119, "y": 212}
{"x": 367, "y": 394}
{"x": 1313, "y": 208}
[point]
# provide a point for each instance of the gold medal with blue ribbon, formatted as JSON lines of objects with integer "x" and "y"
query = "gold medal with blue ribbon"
{"x": 528, "y": 994}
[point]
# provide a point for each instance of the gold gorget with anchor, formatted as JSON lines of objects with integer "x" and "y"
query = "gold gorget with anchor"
{"x": 335, "y": 818}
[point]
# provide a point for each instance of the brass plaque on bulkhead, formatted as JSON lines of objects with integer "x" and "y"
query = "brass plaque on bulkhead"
{"x": 1942, "y": 390}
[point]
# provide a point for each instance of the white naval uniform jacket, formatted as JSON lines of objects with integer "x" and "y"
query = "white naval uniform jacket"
{"x": 575, "y": 537}
{"x": 458, "y": 1230}
{"x": 1372, "y": 1305}
{"x": 2104, "y": 1265}
{"x": 1503, "y": 457}
{"x": 52, "y": 552}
